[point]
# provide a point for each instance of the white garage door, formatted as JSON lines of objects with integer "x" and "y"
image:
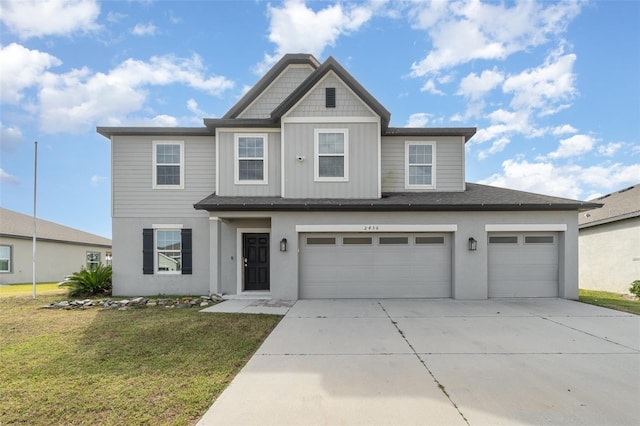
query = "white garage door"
{"x": 523, "y": 265}
{"x": 375, "y": 265}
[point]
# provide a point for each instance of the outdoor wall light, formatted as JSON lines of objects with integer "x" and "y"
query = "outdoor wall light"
{"x": 473, "y": 244}
{"x": 283, "y": 244}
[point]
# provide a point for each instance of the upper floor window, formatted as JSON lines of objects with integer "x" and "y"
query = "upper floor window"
{"x": 5, "y": 258}
{"x": 331, "y": 155}
{"x": 420, "y": 165}
{"x": 251, "y": 153}
{"x": 168, "y": 164}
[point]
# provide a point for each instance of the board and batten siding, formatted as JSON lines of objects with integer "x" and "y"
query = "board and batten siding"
{"x": 347, "y": 103}
{"x": 132, "y": 177}
{"x": 363, "y": 162}
{"x": 279, "y": 89}
{"x": 227, "y": 185}
{"x": 449, "y": 165}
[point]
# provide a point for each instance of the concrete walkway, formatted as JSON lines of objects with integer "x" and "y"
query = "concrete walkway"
{"x": 440, "y": 362}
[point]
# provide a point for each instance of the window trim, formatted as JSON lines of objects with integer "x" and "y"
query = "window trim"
{"x": 237, "y": 158}
{"x": 154, "y": 183}
{"x": 10, "y": 263}
{"x": 316, "y": 155}
{"x": 156, "y": 251}
{"x": 99, "y": 258}
{"x": 407, "y": 166}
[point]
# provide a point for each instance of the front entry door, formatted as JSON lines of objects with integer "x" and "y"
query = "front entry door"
{"x": 255, "y": 249}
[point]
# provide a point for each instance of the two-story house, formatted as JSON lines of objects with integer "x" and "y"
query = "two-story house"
{"x": 302, "y": 190}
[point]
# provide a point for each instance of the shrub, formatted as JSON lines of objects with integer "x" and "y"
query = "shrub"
{"x": 89, "y": 282}
{"x": 635, "y": 288}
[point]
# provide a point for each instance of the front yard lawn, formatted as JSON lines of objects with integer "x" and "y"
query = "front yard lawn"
{"x": 610, "y": 300}
{"x": 150, "y": 365}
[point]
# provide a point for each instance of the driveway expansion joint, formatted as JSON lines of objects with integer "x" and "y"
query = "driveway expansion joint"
{"x": 424, "y": 364}
{"x": 605, "y": 339}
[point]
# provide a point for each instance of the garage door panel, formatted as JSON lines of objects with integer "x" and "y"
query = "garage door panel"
{"x": 376, "y": 270}
{"x": 523, "y": 270}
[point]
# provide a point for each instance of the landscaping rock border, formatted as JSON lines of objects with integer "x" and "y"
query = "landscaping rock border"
{"x": 137, "y": 302}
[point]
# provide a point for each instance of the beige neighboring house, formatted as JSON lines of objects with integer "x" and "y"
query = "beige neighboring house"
{"x": 60, "y": 250}
{"x": 609, "y": 242}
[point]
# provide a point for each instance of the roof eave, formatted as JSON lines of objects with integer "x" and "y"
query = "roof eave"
{"x": 466, "y": 132}
{"x": 215, "y": 123}
{"x": 610, "y": 220}
{"x": 108, "y": 132}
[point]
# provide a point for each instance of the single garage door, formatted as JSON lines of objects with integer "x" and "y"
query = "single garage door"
{"x": 381, "y": 265}
{"x": 523, "y": 265}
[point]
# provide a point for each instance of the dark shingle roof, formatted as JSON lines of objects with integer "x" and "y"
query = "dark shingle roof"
{"x": 475, "y": 198}
{"x": 467, "y": 132}
{"x": 620, "y": 205}
{"x": 153, "y": 131}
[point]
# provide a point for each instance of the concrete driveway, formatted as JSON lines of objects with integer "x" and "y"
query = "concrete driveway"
{"x": 440, "y": 362}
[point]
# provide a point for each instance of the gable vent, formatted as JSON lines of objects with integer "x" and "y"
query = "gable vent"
{"x": 330, "y": 97}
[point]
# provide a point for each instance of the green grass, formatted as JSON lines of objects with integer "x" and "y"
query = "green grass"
{"x": 140, "y": 366}
{"x": 610, "y": 300}
{"x": 27, "y": 289}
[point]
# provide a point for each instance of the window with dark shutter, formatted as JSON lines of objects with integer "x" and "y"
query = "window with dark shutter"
{"x": 147, "y": 251}
{"x": 187, "y": 265}
{"x": 330, "y": 97}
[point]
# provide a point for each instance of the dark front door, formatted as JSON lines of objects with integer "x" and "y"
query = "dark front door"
{"x": 256, "y": 261}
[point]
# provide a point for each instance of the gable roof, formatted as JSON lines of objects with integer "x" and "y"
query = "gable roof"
{"x": 332, "y": 65}
{"x": 620, "y": 205}
{"x": 18, "y": 225}
{"x": 268, "y": 78}
{"x": 476, "y": 197}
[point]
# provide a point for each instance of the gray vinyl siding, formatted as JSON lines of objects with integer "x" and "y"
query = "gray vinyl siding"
{"x": 347, "y": 104}
{"x": 449, "y": 166}
{"x": 226, "y": 157}
{"x": 132, "y": 177}
{"x": 363, "y": 162}
{"x": 273, "y": 96}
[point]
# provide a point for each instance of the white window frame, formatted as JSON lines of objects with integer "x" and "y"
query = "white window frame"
{"x": 88, "y": 263}
{"x": 316, "y": 155}
{"x": 155, "y": 165}
{"x": 156, "y": 263}
{"x": 407, "y": 185}
{"x": 237, "y": 158}
{"x": 9, "y": 260}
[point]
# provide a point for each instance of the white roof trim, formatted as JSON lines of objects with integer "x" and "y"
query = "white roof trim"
{"x": 526, "y": 227}
{"x": 366, "y": 227}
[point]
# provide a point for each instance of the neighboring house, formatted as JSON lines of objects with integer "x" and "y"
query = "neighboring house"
{"x": 302, "y": 190}
{"x": 609, "y": 241}
{"x": 60, "y": 250}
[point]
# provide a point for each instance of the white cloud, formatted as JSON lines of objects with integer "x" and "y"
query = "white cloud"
{"x": 430, "y": 86}
{"x": 610, "y": 149}
{"x": 419, "y": 119}
{"x": 564, "y": 129}
{"x": 573, "y": 146}
{"x": 10, "y": 138}
{"x": 504, "y": 123}
{"x": 475, "y": 87}
{"x": 144, "y": 29}
{"x": 39, "y": 18}
{"x": 462, "y": 31}
{"x": 22, "y": 68}
{"x": 546, "y": 85}
{"x": 563, "y": 181}
{"x": 115, "y": 17}
{"x": 296, "y": 28}
{"x": 8, "y": 178}
{"x": 96, "y": 180}
{"x": 77, "y": 100}
{"x": 192, "y": 106}
{"x": 496, "y": 146}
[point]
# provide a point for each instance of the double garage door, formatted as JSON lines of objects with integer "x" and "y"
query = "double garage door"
{"x": 385, "y": 265}
{"x": 523, "y": 264}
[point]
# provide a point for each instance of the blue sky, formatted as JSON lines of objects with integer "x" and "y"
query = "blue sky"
{"x": 553, "y": 87}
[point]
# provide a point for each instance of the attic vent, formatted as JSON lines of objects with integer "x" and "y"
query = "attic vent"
{"x": 330, "y": 97}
